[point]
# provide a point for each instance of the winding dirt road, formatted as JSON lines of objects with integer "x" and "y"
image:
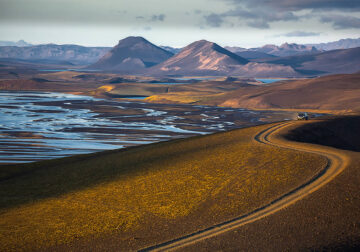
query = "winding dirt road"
{"x": 336, "y": 164}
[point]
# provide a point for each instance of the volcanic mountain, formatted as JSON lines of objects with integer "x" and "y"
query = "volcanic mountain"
{"x": 207, "y": 58}
{"x": 200, "y": 58}
{"x": 132, "y": 55}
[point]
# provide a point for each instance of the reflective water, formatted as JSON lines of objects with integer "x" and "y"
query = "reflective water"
{"x": 269, "y": 80}
{"x": 44, "y": 125}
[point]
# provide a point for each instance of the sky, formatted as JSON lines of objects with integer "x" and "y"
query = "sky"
{"x": 244, "y": 23}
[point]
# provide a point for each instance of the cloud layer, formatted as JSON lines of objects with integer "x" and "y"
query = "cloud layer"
{"x": 262, "y": 13}
{"x": 254, "y": 21}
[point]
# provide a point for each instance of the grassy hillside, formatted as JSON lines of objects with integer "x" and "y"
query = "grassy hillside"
{"x": 127, "y": 199}
{"x": 326, "y": 220}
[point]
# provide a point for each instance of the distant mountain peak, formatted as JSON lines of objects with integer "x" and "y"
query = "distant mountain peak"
{"x": 132, "y": 40}
{"x": 200, "y": 57}
{"x": 286, "y": 49}
{"x": 271, "y": 46}
{"x": 202, "y": 43}
{"x": 20, "y": 43}
{"x": 340, "y": 44}
{"x": 131, "y": 55}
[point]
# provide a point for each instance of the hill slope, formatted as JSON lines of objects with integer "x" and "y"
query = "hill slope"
{"x": 336, "y": 61}
{"x": 157, "y": 192}
{"x": 132, "y": 54}
{"x": 335, "y": 92}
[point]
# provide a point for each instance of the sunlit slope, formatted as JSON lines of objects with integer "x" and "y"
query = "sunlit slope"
{"x": 332, "y": 93}
{"x": 173, "y": 187}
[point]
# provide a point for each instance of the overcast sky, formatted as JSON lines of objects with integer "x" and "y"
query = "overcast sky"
{"x": 246, "y": 23}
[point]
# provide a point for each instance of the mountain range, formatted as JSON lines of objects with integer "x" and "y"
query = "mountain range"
{"x": 71, "y": 53}
{"x": 20, "y": 43}
{"x": 136, "y": 55}
{"x": 328, "y": 62}
{"x": 270, "y": 51}
{"x": 340, "y": 44}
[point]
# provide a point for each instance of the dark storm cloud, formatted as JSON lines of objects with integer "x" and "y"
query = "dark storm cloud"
{"x": 341, "y": 22}
{"x": 160, "y": 17}
{"x": 295, "y": 5}
{"x": 300, "y": 34}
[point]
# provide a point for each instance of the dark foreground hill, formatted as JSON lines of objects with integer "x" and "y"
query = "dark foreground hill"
{"x": 132, "y": 55}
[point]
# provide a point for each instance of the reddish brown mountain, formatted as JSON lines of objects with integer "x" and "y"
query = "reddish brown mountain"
{"x": 207, "y": 58}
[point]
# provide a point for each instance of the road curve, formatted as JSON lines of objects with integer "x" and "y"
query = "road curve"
{"x": 335, "y": 165}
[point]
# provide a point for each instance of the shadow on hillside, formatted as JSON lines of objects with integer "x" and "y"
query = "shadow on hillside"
{"x": 352, "y": 245}
{"x": 27, "y": 183}
{"x": 342, "y": 133}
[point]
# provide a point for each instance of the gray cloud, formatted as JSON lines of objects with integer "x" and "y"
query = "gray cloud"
{"x": 261, "y": 13}
{"x": 259, "y": 18}
{"x": 260, "y": 24}
{"x": 300, "y": 34}
{"x": 341, "y": 22}
{"x": 295, "y": 5}
{"x": 160, "y": 17}
{"x": 214, "y": 20}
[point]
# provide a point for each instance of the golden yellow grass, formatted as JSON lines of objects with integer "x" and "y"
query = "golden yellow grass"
{"x": 183, "y": 97}
{"x": 222, "y": 174}
{"x": 107, "y": 88}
